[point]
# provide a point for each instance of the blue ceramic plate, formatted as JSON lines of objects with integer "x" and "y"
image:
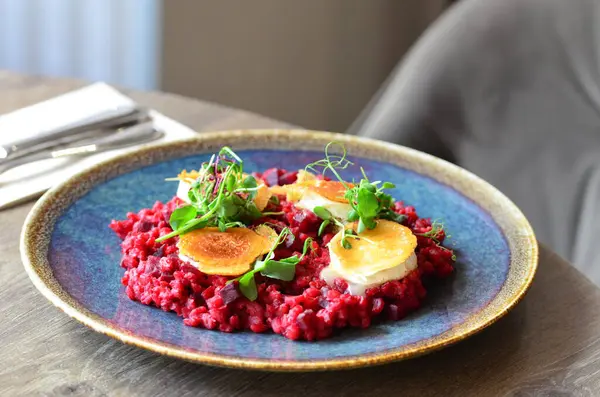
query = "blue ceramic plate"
{"x": 73, "y": 257}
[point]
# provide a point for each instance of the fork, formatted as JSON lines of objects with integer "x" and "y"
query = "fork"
{"x": 123, "y": 137}
{"x": 86, "y": 128}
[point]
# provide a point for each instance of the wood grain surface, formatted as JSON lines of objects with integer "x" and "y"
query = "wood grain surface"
{"x": 548, "y": 346}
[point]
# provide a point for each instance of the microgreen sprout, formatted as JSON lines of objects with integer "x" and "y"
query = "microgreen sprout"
{"x": 221, "y": 196}
{"x": 436, "y": 228}
{"x": 328, "y": 219}
{"x": 368, "y": 200}
{"x": 434, "y": 233}
{"x": 267, "y": 213}
{"x": 281, "y": 269}
{"x": 332, "y": 162}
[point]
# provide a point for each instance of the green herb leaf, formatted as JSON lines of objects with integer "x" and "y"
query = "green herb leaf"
{"x": 365, "y": 185}
{"x": 192, "y": 196}
{"x": 365, "y": 223}
{"x": 361, "y": 226}
{"x": 274, "y": 199}
{"x": 260, "y": 265}
{"x": 367, "y": 199}
{"x": 393, "y": 216}
{"x": 193, "y": 224}
{"x": 346, "y": 244}
{"x": 353, "y": 215}
{"x": 250, "y": 183}
{"x": 385, "y": 200}
{"x": 307, "y": 245}
{"x": 284, "y": 269}
{"x": 226, "y": 150}
{"x": 228, "y": 208}
{"x": 247, "y": 286}
{"x": 346, "y": 233}
{"x": 292, "y": 260}
{"x": 251, "y": 212}
{"x": 370, "y": 223}
{"x": 182, "y": 215}
{"x": 322, "y": 213}
{"x": 368, "y": 204}
{"x": 323, "y": 226}
{"x": 230, "y": 181}
{"x": 215, "y": 196}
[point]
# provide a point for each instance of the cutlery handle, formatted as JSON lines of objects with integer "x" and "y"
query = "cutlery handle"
{"x": 71, "y": 132}
{"x": 135, "y": 135}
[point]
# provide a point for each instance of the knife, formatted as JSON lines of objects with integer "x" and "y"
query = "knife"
{"x": 134, "y": 135}
{"x": 79, "y": 130}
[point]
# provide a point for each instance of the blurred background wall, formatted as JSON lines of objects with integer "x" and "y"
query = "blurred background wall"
{"x": 315, "y": 63}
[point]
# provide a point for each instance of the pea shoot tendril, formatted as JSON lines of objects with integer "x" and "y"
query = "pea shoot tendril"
{"x": 222, "y": 196}
{"x": 281, "y": 269}
{"x": 367, "y": 199}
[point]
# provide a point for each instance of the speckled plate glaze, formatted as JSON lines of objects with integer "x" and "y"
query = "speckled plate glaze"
{"x": 73, "y": 257}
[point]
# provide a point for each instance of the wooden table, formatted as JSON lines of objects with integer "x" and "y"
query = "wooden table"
{"x": 548, "y": 345}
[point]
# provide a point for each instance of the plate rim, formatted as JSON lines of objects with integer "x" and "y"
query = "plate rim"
{"x": 521, "y": 238}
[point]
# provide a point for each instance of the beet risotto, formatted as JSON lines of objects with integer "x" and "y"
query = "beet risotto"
{"x": 289, "y": 251}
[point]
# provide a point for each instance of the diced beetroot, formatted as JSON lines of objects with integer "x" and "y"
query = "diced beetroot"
{"x": 271, "y": 177}
{"x": 305, "y": 308}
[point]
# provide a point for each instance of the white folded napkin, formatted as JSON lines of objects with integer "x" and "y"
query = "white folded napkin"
{"x": 31, "y": 180}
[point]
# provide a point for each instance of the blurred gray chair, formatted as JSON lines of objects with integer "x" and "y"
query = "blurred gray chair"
{"x": 510, "y": 90}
